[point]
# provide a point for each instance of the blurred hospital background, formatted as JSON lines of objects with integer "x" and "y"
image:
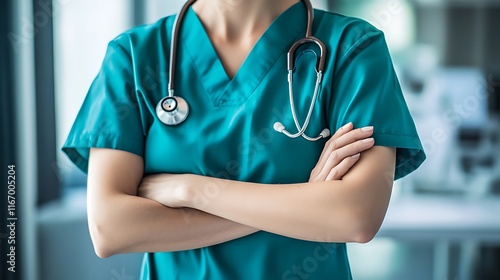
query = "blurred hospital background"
{"x": 443, "y": 222}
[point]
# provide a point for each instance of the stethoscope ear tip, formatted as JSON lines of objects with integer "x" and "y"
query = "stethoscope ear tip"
{"x": 279, "y": 127}
{"x": 325, "y": 133}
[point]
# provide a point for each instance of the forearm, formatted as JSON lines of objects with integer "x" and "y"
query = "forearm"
{"x": 345, "y": 210}
{"x": 125, "y": 223}
{"x": 318, "y": 211}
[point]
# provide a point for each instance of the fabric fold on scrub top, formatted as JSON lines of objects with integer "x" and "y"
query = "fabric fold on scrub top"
{"x": 229, "y": 132}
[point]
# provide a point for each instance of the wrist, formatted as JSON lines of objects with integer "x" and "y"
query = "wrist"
{"x": 200, "y": 191}
{"x": 186, "y": 190}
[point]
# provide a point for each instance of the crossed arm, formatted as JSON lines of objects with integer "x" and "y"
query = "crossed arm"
{"x": 345, "y": 200}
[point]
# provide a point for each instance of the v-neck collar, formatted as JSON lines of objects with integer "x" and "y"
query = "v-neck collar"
{"x": 276, "y": 40}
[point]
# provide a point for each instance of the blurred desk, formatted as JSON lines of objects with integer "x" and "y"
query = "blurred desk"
{"x": 451, "y": 218}
{"x": 444, "y": 220}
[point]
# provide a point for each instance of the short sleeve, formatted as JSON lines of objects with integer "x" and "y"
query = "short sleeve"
{"x": 366, "y": 92}
{"x": 109, "y": 116}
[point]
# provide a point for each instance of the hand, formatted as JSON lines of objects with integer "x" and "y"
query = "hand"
{"x": 341, "y": 152}
{"x": 167, "y": 189}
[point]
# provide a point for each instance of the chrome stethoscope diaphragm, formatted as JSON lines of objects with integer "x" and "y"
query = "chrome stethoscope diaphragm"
{"x": 172, "y": 110}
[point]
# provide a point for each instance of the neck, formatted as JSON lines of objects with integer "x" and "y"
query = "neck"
{"x": 232, "y": 20}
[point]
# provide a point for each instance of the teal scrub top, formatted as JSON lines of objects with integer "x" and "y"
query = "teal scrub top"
{"x": 229, "y": 132}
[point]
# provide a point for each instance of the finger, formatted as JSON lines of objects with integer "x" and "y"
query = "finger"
{"x": 342, "y": 168}
{"x": 342, "y": 141}
{"x": 341, "y": 131}
{"x": 353, "y": 136}
{"x": 340, "y": 154}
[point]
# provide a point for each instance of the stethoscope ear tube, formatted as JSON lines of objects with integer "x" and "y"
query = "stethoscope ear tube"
{"x": 320, "y": 63}
{"x": 319, "y": 67}
{"x": 279, "y": 127}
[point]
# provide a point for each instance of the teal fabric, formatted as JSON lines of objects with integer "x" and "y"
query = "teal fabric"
{"x": 229, "y": 133}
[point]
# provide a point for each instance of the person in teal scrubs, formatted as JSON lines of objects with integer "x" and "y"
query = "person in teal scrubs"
{"x": 222, "y": 195}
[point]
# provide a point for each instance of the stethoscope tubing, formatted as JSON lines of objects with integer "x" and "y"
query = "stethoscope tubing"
{"x": 302, "y": 128}
{"x": 173, "y": 46}
{"x": 175, "y": 115}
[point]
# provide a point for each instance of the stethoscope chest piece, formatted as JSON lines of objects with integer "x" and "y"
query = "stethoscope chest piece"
{"x": 172, "y": 110}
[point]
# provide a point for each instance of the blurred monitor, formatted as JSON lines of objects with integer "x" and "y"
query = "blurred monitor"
{"x": 494, "y": 94}
{"x": 454, "y": 104}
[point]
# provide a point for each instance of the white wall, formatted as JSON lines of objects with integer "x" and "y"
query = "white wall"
{"x": 82, "y": 30}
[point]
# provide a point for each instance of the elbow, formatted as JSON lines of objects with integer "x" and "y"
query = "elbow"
{"x": 364, "y": 235}
{"x": 101, "y": 251}
{"x": 353, "y": 231}
{"x": 101, "y": 240}
{"x": 365, "y": 229}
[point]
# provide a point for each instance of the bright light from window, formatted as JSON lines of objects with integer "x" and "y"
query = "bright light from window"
{"x": 82, "y": 30}
{"x": 156, "y": 9}
{"x": 395, "y": 17}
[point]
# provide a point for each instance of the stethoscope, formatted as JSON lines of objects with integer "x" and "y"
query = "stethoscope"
{"x": 173, "y": 110}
